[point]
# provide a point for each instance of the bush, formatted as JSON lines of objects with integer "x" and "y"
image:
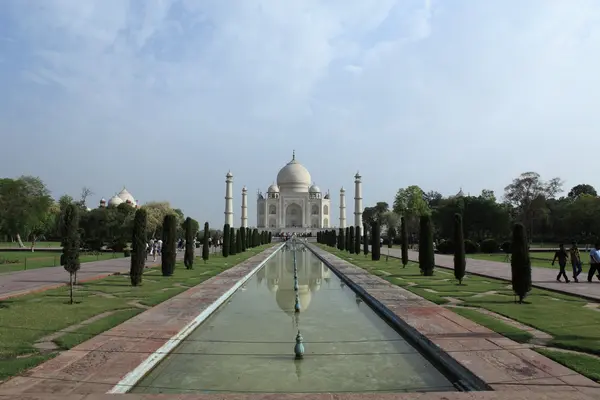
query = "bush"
{"x": 489, "y": 246}
{"x": 471, "y": 247}
{"x": 445, "y": 247}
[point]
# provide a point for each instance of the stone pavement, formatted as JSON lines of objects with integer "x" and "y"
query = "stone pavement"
{"x": 542, "y": 277}
{"x": 35, "y": 280}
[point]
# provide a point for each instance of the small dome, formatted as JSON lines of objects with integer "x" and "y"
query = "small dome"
{"x": 244, "y": 189}
{"x": 342, "y": 190}
{"x": 273, "y": 189}
{"x": 294, "y": 177}
{"x": 314, "y": 189}
{"x": 126, "y": 197}
{"x": 115, "y": 201}
{"x": 229, "y": 175}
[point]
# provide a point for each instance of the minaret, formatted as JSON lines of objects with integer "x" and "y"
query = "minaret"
{"x": 358, "y": 210}
{"x": 229, "y": 199}
{"x": 244, "y": 207}
{"x": 342, "y": 208}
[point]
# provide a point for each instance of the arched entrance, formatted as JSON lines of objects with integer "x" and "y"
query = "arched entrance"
{"x": 293, "y": 216}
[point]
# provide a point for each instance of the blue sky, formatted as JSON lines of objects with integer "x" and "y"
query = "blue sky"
{"x": 166, "y": 96}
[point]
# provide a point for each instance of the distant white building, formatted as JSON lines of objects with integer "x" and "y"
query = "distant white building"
{"x": 122, "y": 197}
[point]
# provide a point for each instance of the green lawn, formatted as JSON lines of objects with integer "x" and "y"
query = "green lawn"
{"x": 25, "y": 320}
{"x": 11, "y": 261}
{"x": 8, "y": 245}
{"x": 538, "y": 259}
{"x": 564, "y": 317}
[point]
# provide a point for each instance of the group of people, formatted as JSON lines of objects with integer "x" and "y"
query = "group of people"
{"x": 562, "y": 255}
{"x": 154, "y": 247}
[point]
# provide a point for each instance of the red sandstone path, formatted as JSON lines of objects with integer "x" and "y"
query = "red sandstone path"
{"x": 36, "y": 280}
{"x": 542, "y": 277}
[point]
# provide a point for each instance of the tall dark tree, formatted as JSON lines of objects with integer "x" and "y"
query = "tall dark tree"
{"x": 169, "y": 248}
{"x": 248, "y": 238}
{"x": 270, "y": 238}
{"x": 582, "y": 188}
{"x": 366, "y": 240}
{"x": 255, "y": 242}
{"x": 238, "y": 241}
{"x": 139, "y": 241}
{"x": 70, "y": 241}
{"x": 375, "y": 241}
{"x": 243, "y": 238}
{"x": 232, "y": 244}
{"x": 357, "y": 240}
{"x": 342, "y": 240}
{"x": 226, "y": 240}
{"x": 351, "y": 241}
{"x": 347, "y": 239}
{"x": 460, "y": 263}
{"x": 520, "y": 264}
{"x": 205, "y": 246}
{"x": 426, "y": 253}
{"x": 190, "y": 227}
{"x": 404, "y": 242}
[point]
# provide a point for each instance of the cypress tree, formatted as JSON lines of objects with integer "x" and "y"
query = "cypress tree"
{"x": 71, "y": 244}
{"x": 347, "y": 241}
{"x": 255, "y": 238}
{"x": 426, "y": 254}
{"x": 243, "y": 238}
{"x": 232, "y": 245}
{"x": 366, "y": 240}
{"x": 169, "y": 249}
{"x": 460, "y": 263}
{"x": 138, "y": 242}
{"x": 520, "y": 264}
{"x": 342, "y": 240}
{"x": 205, "y": 247}
{"x": 404, "y": 242}
{"x": 248, "y": 238}
{"x": 238, "y": 241}
{"x": 357, "y": 240}
{"x": 191, "y": 227}
{"x": 226, "y": 240}
{"x": 351, "y": 241}
{"x": 270, "y": 238}
{"x": 375, "y": 245}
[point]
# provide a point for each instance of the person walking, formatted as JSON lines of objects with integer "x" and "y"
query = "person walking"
{"x": 562, "y": 256}
{"x": 594, "y": 262}
{"x": 575, "y": 261}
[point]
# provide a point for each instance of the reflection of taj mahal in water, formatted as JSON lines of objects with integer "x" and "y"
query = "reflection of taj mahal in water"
{"x": 295, "y": 204}
{"x": 279, "y": 278}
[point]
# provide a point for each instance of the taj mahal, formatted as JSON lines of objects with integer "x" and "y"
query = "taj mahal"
{"x": 294, "y": 203}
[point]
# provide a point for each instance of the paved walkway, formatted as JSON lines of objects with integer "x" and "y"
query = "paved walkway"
{"x": 36, "y": 280}
{"x": 542, "y": 277}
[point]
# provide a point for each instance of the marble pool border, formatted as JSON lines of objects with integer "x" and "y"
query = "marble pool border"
{"x": 465, "y": 349}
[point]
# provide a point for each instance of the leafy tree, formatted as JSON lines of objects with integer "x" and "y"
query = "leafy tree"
{"x": 70, "y": 240}
{"x": 169, "y": 248}
{"x": 460, "y": 263}
{"x": 432, "y": 198}
{"x": 351, "y": 241}
{"x": 156, "y": 216}
{"x": 580, "y": 189}
{"x": 366, "y": 240}
{"x": 357, "y": 240}
{"x": 232, "y": 245}
{"x": 205, "y": 247}
{"x": 404, "y": 242}
{"x": 520, "y": 264}
{"x": 190, "y": 228}
{"x": 426, "y": 253}
{"x": 375, "y": 242}
{"x": 226, "y": 240}
{"x": 411, "y": 204}
{"x": 373, "y": 214}
{"x": 139, "y": 241}
{"x": 238, "y": 240}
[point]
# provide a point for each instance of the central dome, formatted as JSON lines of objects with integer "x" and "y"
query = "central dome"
{"x": 294, "y": 177}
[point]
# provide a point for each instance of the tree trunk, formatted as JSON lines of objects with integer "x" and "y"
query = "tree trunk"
{"x": 71, "y": 287}
{"x": 20, "y": 241}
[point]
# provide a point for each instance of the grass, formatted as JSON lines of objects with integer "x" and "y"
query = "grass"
{"x": 495, "y": 325}
{"x": 564, "y": 317}
{"x": 11, "y": 261}
{"x": 25, "y": 320}
{"x": 8, "y": 245}
{"x": 584, "y": 364}
{"x": 538, "y": 259}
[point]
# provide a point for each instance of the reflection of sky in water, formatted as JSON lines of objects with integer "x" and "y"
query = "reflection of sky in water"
{"x": 248, "y": 344}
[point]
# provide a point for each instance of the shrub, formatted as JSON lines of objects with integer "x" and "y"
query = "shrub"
{"x": 238, "y": 240}
{"x": 366, "y": 240}
{"x": 520, "y": 264}
{"x": 404, "y": 242}
{"x": 205, "y": 247}
{"x": 190, "y": 227}
{"x": 426, "y": 254}
{"x": 255, "y": 241}
{"x": 270, "y": 237}
{"x": 71, "y": 241}
{"x": 341, "y": 240}
{"x": 446, "y": 247}
{"x": 139, "y": 241}
{"x": 351, "y": 241}
{"x": 489, "y": 246}
{"x": 169, "y": 248}
{"x": 248, "y": 238}
{"x": 460, "y": 263}
{"x": 347, "y": 239}
{"x": 232, "y": 245}
{"x": 471, "y": 247}
{"x": 375, "y": 245}
{"x": 226, "y": 240}
{"x": 357, "y": 240}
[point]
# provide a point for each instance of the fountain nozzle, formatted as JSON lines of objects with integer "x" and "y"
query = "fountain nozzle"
{"x": 299, "y": 347}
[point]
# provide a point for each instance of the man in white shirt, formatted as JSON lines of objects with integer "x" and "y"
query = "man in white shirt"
{"x": 594, "y": 262}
